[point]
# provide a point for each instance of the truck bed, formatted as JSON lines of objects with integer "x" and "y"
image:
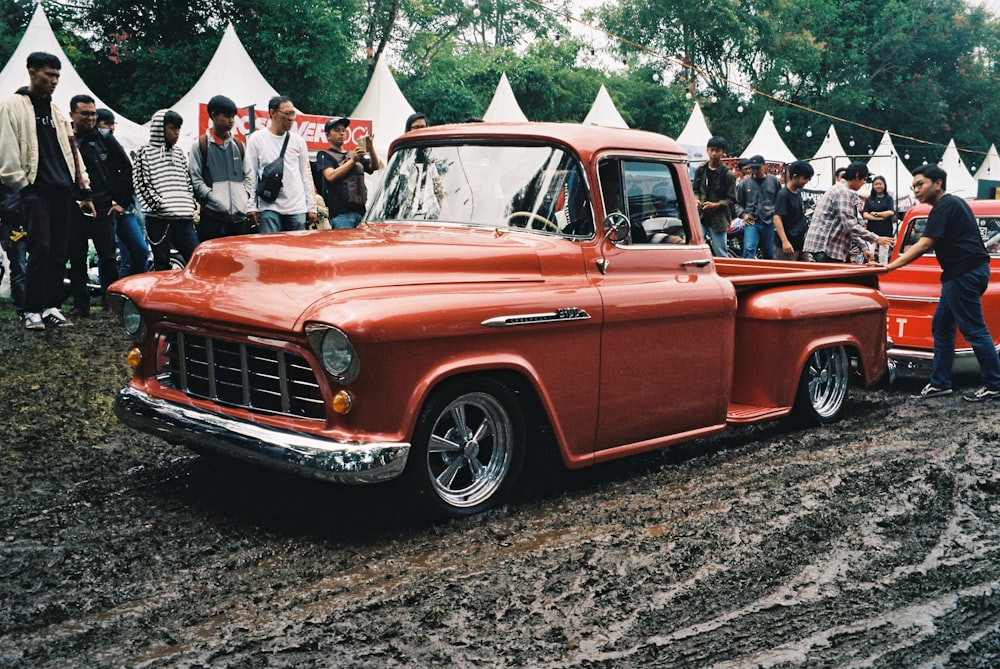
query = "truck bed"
{"x": 749, "y": 273}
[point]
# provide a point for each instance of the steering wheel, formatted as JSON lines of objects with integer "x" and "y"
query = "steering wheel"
{"x": 530, "y": 218}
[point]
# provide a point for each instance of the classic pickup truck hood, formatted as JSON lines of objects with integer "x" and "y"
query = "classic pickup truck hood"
{"x": 268, "y": 281}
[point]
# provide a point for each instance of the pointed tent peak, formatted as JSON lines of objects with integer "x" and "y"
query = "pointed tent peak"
{"x": 828, "y": 158}
{"x": 885, "y": 162}
{"x": 603, "y": 111}
{"x": 960, "y": 180}
{"x": 230, "y": 72}
{"x": 384, "y": 104}
{"x": 503, "y": 107}
{"x": 695, "y": 135}
{"x": 768, "y": 143}
{"x": 39, "y": 37}
{"x": 990, "y": 169}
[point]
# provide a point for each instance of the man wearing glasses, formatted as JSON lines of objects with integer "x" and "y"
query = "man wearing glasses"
{"x": 953, "y": 234}
{"x": 835, "y": 221}
{"x": 111, "y": 183}
{"x": 294, "y": 205}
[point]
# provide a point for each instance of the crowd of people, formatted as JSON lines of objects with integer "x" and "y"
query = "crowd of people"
{"x": 65, "y": 183}
{"x": 842, "y": 230}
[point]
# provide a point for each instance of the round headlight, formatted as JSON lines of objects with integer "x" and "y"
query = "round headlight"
{"x": 338, "y": 355}
{"x": 131, "y": 318}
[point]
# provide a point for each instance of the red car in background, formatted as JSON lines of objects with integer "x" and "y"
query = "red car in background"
{"x": 913, "y": 293}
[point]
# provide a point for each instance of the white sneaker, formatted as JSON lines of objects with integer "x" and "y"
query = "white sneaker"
{"x": 33, "y": 321}
{"x": 931, "y": 391}
{"x": 54, "y": 318}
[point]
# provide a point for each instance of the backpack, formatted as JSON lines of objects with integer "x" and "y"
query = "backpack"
{"x": 206, "y": 176}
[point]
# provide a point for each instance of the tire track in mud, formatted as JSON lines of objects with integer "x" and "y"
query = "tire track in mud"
{"x": 838, "y": 546}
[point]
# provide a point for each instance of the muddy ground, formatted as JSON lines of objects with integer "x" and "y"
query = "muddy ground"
{"x": 871, "y": 543}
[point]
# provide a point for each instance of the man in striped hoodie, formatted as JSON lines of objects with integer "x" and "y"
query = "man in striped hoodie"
{"x": 164, "y": 186}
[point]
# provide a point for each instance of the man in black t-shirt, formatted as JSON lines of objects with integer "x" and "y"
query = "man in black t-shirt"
{"x": 789, "y": 220}
{"x": 343, "y": 173}
{"x": 41, "y": 168}
{"x": 953, "y": 233}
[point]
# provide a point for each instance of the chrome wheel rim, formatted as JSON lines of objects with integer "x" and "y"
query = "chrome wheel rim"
{"x": 470, "y": 450}
{"x": 828, "y": 375}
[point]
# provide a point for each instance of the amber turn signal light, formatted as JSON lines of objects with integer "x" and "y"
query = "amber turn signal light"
{"x": 134, "y": 358}
{"x": 342, "y": 402}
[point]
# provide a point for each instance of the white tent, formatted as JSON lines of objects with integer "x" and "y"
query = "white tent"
{"x": 960, "y": 181}
{"x": 384, "y": 104}
{"x": 695, "y": 135}
{"x": 603, "y": 111}
{"x": 39, "y": 37}
{"x": 503, "y": 107}
{"x": 768, "y": 143}
{"x": 885, "y": 162}
{"x": 829, "y": 156}
{"x": 990, "y": 169}
{"x": 232, "y": 73}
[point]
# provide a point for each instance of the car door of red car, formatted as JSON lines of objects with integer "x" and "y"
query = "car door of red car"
{"x": 914, "y": 290}
{"x": 667, "y": 339}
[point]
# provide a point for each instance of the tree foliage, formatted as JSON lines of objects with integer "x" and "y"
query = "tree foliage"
{"x": 920, "y": 68}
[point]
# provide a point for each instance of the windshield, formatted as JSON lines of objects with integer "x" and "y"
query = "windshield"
{"x": 537, "y": 188}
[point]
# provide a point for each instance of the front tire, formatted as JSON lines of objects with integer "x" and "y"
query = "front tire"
{"x": 823, "y": 387}
{"x": 468, "y": 448}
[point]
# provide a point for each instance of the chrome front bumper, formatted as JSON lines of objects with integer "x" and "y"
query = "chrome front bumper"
{"x": 297, "y": 452}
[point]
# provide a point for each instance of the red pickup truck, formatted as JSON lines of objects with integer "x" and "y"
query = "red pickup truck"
{"x": 509, "y": 281}
{"x": 913, "y": 293}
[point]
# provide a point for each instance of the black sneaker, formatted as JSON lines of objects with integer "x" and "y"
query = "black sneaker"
{"x": 54, "y": 318}
{"x": 981, "y": 394}
{"x": 931, "y": 391}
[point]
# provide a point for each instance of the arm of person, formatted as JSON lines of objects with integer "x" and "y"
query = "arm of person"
{"x": 374, "y": 163}
{"x": 332, "y": 174}
{"x": 308, "y": 190}
{"x": 919, "y": 248}
{"x": 779, "y": 230}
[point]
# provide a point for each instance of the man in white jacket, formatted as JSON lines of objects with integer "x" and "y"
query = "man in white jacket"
{"x": 294, "y": 206}
{"x": 42, "y": 177}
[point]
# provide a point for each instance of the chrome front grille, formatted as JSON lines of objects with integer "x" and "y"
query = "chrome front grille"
{"x": 259, "y": 378}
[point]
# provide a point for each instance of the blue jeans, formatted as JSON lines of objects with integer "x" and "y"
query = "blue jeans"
{"x": 17, "y": 257}
{"x": 960, "y": 305}
{"x": 717, "y": 240}
{"x": 272, "y": 221}
{"x": 132, "y": 245}
{"x": 348, "y": 219}
{"x": 758, "y": 234}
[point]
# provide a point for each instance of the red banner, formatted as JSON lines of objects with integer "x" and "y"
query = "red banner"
{"x": 307, "y": 125}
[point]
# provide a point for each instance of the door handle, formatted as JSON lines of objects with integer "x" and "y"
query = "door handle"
{"x": 703, "y": 262}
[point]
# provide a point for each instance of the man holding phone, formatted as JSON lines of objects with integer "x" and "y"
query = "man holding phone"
{"x": 344, "y": 189}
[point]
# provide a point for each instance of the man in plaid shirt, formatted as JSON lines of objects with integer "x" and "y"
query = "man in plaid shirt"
{"x": 835, "y": 221}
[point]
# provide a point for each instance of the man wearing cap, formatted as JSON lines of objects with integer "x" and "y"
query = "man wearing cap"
{"x": 343, "y": 188}
{"x": 755, "y": 205}
{"x": 294, "y": 205}
{"x": 835, "y": 220}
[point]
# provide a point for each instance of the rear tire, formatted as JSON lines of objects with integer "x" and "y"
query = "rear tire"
{"x": 468, "y": 448}
{"x": 823, "y": 386}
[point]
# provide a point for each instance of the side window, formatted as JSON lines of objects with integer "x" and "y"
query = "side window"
{"x": 650, "y": 201}
{"x": 915, "y": 232}
{"x": 989, "y": 228}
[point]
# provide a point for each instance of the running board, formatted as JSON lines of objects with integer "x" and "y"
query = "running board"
{"x": 751, "y": 413}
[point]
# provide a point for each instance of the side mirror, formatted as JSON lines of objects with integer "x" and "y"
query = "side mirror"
{"x": 617, "y": 228}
